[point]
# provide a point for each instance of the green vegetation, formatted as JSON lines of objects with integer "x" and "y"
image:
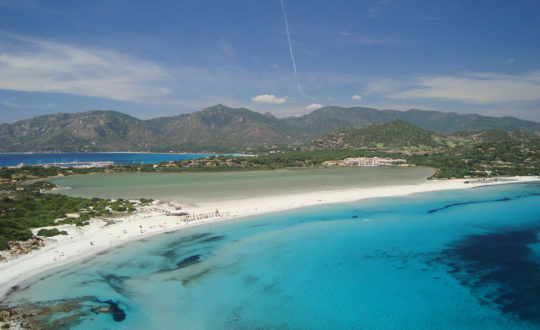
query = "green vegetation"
{"x": 145, "y": 201}
{"x": 4, "y": 243}
{"x": 396, "y": 134}
{"x": 486, "y": 153}
{"x": 51, "y": 232}
{"x": 26, "y": 173}
{"x": 24, "y": 206}
{"x": 503, "y": 158}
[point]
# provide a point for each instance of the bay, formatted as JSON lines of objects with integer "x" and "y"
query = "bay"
{"x": 124, "y": 158}
{"x": 455, "y": 259}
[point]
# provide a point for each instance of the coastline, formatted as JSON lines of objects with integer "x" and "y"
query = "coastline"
{"x": 100, "y": 235}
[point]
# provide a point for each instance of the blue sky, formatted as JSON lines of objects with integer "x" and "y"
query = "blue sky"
{"x": 163, "y": 58}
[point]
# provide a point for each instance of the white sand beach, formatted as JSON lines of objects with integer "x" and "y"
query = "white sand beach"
{"x": 103, "y": 234}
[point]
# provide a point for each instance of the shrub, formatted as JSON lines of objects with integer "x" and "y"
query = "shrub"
{"x": 145, "y": 201}
{"x": 4, "y": 243}
{"x": 51, "y": 232}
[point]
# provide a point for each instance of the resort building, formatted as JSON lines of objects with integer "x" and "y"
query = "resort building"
{"x": 365, "y": 161}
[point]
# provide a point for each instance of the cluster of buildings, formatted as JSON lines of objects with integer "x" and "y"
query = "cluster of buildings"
{"x": 366, "y": 161}
{"x": 207, "y": 162}
{"x": 74, "y": 164}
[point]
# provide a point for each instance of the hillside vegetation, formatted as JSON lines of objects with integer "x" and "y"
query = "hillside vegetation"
{"x": 221, "y": 129}
{"x": 493, "y": 152}
{"x": 396, "y": 134}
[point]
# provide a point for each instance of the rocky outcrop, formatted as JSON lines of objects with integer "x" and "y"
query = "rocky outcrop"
{"x": 22, "y": 247}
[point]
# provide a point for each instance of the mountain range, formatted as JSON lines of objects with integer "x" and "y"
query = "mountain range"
{"x": 220, "y": 128}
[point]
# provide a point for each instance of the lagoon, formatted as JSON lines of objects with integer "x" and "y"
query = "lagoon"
{"x": 192, "y": 188}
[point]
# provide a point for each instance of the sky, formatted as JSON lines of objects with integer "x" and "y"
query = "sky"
{"x": 288, "y": 57}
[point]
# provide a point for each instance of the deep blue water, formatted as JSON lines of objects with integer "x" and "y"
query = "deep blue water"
{"x": 117, "y": 158}
{"x": 447, "y": 260}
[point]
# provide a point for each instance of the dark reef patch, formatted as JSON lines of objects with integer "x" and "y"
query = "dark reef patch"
{"x": 177, "y": 247}
{"x": 501, "y": 269}
{"x": 167, "y": 254}
{"x": 187, "y": 280}
{"x": 12, "y": 290}
{"x": 118, "y": 313}
{"x": 213, "y": 239}
{"x": 467, "y": 203}
{"x": 505, "y": 199}
{"x": 198, "y": 236}
{"x": 116, "y": 283}
{"x": 186, "y": 262}
{"x": 250, "y": 279}
{"x": 185, "y": 241}
{"x": 260, "y": 225}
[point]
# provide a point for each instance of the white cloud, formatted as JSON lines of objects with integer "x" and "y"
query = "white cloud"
{"x": 269, "y": 98}
{"x": 477, "y": 88}
{"x": 386, "y": 86}
{"x": 43, "y": 66}
{"x": 19, "y": 105}
{"x": 314, "y": 106}
{"x": 357, "y": 97}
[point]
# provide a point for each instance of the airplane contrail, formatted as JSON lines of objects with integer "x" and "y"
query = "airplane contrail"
{"x": 298, "y": 86}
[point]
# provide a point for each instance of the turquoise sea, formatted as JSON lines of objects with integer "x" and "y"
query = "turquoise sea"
{"x": 457, "y": 259}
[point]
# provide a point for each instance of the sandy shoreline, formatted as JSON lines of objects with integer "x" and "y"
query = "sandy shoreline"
{"x": 82, "y": 242}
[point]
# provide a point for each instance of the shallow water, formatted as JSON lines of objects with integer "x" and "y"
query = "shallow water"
{"x": 199, "y": 187}
{"x": 446, "y": 260}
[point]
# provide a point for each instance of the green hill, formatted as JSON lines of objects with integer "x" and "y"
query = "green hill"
{"x": 396, "y": 134}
